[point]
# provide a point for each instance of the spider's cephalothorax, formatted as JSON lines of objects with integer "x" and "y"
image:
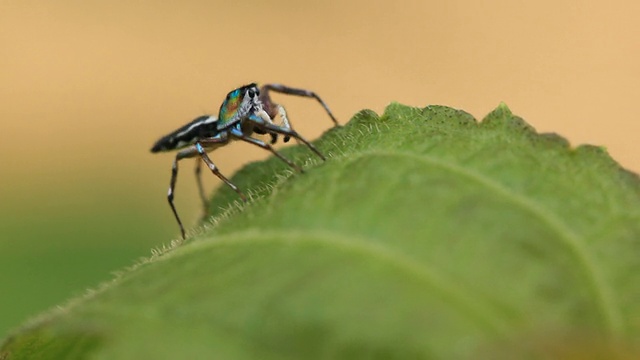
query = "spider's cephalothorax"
{"x": 239, "y": 104}
{"x": 245, "y": 110}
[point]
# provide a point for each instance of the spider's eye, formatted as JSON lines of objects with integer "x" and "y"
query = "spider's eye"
{"x": 251, "y": 93}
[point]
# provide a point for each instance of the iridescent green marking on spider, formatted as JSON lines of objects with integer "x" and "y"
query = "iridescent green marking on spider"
{"x": 230, "y": 106}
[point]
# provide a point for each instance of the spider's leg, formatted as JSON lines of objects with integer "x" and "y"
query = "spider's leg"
{"x": 285, "y": 120}
{"x": 201, "y": 147}
{"x": 259, "y": 118}
{"x": 238, "y": 134}
{"x": 183, "y": 154}
{"x": 274, "y": 110}
{"x": 203, "y": 197}
{"x": 193, "y": 151}
{"x": 274, "y": 137}
{"x": 264, "y": 96}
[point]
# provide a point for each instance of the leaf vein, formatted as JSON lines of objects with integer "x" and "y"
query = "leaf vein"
{"x": 484, "y": 314}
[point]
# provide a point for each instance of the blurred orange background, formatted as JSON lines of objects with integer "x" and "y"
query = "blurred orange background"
{"x": 87, "y": 87}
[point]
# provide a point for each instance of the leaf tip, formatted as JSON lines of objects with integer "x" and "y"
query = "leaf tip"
{"x": 503, "y": 107}
{"x": 502, "y": 117}
{"x": 362, "y": 117}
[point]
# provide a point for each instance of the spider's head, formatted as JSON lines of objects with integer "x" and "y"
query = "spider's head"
{"x": 252, "y": 93}
{"x": 239, "y": 103}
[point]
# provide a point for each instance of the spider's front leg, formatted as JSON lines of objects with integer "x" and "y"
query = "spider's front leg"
{"x": 270, "y": 105}
{"x": 262, "y": 120}
{"x": 240, "y": 135}
{"x": 273, "y": 109}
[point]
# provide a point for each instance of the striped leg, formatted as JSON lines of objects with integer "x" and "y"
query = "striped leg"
{"x": 197, "y": 150}
{"x": 214, "y": 169}
{"x": 183, "y": 154}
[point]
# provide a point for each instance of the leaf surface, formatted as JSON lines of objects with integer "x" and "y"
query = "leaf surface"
{"x": 425, "y": 235}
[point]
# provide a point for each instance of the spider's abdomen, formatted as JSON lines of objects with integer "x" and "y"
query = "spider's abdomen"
{"x": 200, "y": 128}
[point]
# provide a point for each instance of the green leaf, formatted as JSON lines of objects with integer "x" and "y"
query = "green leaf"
{"x": 425, "y": 235}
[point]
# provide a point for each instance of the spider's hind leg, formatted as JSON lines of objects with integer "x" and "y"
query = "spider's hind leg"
{"x": 199, "y": 150}
{"x": 203, "y": 196}
{"x": 183, "y": 154}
